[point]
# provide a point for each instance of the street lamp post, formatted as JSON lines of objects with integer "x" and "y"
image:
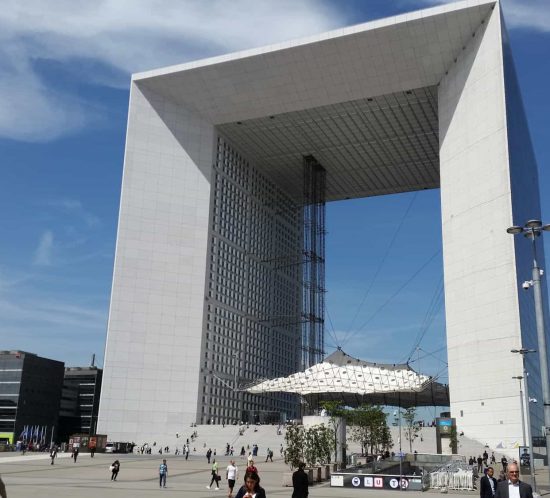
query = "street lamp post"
{"x": 521, "y": 400}
{"x": 529, "y": 445}
{"x": 400, "y": 447}
{"x": 533, "y": 229}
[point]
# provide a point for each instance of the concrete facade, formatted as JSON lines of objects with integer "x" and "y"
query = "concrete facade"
{"x": 423, "y": 100}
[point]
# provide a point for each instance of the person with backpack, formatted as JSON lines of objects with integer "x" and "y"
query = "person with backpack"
{"x": 163, "y": 472}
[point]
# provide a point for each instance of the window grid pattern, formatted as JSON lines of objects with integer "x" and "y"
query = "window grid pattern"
{"x": 253, "y": 292}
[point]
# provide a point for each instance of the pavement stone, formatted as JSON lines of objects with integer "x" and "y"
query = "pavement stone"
{"x": 32, "y": 476}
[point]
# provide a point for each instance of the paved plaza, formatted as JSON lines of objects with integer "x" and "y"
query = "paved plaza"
{"x": 32, "y": 475}
{"x": 138, "y": 477}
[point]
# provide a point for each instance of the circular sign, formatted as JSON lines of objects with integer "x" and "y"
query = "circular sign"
{"x": 394, "y": 483}
{"x": 356, "y": 481}
{"x": 404, "y": 483}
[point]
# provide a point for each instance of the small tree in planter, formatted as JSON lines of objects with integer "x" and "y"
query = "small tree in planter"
{"x": 312, "y": 445}
{"x": 318, "y": 445}
{"x": 294, "y": 439}
{"x": 411, "y": 429}
{"x": 453, "y": 440}
{"x": 336, "y": 413}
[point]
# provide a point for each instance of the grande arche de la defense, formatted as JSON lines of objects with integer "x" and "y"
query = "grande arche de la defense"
{"x": 219, "y": 270}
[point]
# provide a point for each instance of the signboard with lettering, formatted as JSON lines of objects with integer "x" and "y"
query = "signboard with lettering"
{"x": 374, "y": 481}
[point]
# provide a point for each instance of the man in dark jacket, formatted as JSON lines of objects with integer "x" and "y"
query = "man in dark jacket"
{"x": 488, "y": 484}
{"x": 513, "y": 487}
{"x": 300, "y": 482}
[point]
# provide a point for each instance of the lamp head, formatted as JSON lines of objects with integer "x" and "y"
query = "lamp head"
{"x": 514, "y": 230}
{"x": 533, "y": 224}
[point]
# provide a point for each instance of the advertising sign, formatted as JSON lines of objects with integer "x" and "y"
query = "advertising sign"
{"x": 524, "y": 459}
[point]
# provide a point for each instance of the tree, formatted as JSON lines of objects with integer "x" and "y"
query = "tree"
{"x": 294, "y": 439}
{"x": 311, "y": 445}
{"x": 317, "y": 445}
{"x": 337, "y": 413}
{"x": 453, "y": 440}
{"x": 369, "y": 428}
{"x": 410, "y": 428}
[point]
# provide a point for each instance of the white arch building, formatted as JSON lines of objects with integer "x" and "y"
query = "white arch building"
{"x": 212, "y": 189}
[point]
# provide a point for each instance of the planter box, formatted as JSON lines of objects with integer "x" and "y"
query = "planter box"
{"x": 318, "y": 474}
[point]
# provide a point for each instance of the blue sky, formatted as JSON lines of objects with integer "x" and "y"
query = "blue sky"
{"x": 64, "y": 82}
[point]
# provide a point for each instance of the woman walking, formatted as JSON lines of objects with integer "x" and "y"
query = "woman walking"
{"x": 115, "y": 467}
{"x": 215, "y": 477}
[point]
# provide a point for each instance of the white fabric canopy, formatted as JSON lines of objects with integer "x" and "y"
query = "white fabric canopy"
{"x": 340, "y": 375}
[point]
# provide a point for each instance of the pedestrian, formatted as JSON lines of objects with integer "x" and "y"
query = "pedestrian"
{"x": 53, "y": 453}
{"x": 209, "y": 454}
{"x": 243, "y": 452}
{"x": 186, "y": 451}
{"x": 251, "y": 487}
{"x": 92, "y": 451}
{"x": 75, "y": 453}
{"x": 3, "y": 493}
{"x": 300, "y": 482}
{"x": 251, "y": 467}
{"x": 493, "y": 459}
{"x": 488, "y": 484}
{"x": 115, "y": 467}
{"x": 479, "y": 464}
{"x": 504, "y": 463}
{"x": 215, "y": 477}
{"x": 231, "y": 474}
{"x": 513, "y": 487}
{"x": 163, "y": 472}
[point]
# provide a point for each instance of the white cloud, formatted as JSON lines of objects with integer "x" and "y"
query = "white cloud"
{"x": 43, "y": 253}
{"x": 69, "y": 204}
{"x": 102, "y": 42}
{"x": 75, "y": 207}
{"x": 533, "y": 14}
{"x": 105, "y": 40}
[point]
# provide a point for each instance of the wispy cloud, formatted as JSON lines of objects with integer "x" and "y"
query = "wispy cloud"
{"x": 43, "y": 253}
{"x": 534, "y": 14}
{"x": 69, "y": 204}
{"x": 75, "y": 206}
{"x": 102, "y": 42}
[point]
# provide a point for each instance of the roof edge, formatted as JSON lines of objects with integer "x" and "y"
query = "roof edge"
{"x": 335, "y": 33}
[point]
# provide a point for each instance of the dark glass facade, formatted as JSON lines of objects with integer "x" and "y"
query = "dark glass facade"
{"x": 30, "y": 391}
{"x": 525, "y": 206}
{"x": 79, "y": 401}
